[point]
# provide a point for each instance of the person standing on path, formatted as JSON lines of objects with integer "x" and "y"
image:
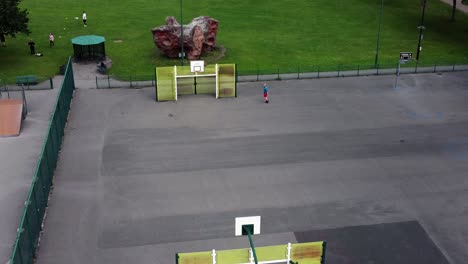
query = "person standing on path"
{"x": 265, "y": 93}
{"x": 51, "y": 40}
{"x": 84, "y": 18}
{"x": 32, "y": 47}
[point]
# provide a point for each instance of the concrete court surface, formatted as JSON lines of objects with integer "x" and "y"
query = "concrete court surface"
{"x": 18, "y": 159}
{"x": 138, "y": 180}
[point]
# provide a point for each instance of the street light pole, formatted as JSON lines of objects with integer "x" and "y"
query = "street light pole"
{"x": 181, "y": 36}
{"x": 421, "y": 28}
{"x": 376, "y": 63}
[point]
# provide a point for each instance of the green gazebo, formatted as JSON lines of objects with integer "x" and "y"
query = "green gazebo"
{"x": 90, "y": 47}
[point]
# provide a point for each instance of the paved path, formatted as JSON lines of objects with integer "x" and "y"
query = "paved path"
{"x": 18, "y": 159}
{"x": 85, "y": 75}
{"x": 460, "y": 6}
{"x": 138, "y": 180}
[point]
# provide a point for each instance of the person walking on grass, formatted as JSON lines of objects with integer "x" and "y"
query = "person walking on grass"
{"x": 32, "y": 47}
{"x": 51, "y": 40}
{"x": 265, "y": 93}
{"x": 84, "y": 18}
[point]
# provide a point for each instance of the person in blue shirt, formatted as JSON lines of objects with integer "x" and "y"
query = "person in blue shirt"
{"x": 265, "y": 93}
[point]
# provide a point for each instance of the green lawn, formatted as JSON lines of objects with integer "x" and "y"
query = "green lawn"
{"x": 255, "y": 33}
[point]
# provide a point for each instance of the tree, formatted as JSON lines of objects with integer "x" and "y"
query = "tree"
{"x": 13, "y": 20}
{"x": 454, "y": 8}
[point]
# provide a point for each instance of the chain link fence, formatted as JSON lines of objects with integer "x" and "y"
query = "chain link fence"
{"x": 35, "y": 206}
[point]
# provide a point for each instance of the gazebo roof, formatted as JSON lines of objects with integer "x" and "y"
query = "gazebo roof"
{"x": 88, "y": 40}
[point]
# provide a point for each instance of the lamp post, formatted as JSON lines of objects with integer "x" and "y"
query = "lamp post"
{"x": 181, "y": 36}
{"x": 376, "y": 63}
{"x": 421, "y": 28}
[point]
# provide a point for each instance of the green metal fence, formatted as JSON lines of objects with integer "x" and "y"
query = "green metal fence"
{"x": 247, "y": 73}
{"x": 130, "y": 81}
{"x": 38, "y": 83}
{"x": 252, "y": 73}
{"x": 36, "y": 203}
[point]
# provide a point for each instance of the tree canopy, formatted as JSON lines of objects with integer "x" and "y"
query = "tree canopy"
{"x": 13, "y": 20}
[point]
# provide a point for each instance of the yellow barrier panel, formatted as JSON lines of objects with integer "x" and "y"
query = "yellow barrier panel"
{"x": 307, "y": 253}
{"x": 271, "y": 252}
{"x": 301, "y": 253}
{"x": 227, "y": 80}
{"x": 195, "y": 258}
{"x": 165, "y": 86}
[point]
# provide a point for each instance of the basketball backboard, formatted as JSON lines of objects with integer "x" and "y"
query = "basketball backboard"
{"x": 197, "y": 66}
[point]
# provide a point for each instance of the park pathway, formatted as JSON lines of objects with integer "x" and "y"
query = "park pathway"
{"x": 85, "y": 75}
{"x": 460, "y": 6}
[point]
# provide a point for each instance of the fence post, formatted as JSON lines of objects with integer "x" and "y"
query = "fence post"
{"x": 435, "y": 67}
{"x": 298, "y": 72}
{"x": 97, "y": 86}
{"x": 318, "y": 71}
{"x": 235, "y": 81}
{"x": 257, "y": 73}
{"x": 24, "y": 98}
{"x": 108, "y": 81}
{"x": 213, "y": 256}
{"x": 338, "y": 73}
{"x": 377, "y": 69}
{"x": 358, "y": 70}
{"x": 131, "y": 81}
{"x": 416, "y": 68}
{"x": 278, "y": 73}
{"x": 324, "y": 251}
{"x": 156, "y": 84}
{"x": 51, "y": 83}
{"x": 453, "y": 67}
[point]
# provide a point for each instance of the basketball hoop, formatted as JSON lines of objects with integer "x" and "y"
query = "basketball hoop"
{"x": 197, "y": 66}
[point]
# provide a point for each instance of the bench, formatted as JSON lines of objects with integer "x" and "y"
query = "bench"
{"x": 27, "y": 79}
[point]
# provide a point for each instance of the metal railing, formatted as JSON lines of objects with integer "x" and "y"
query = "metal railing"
{"x": 43, "y": 83}
{"x": 327, "y": 71}
{"x": 129, "y": 81}
{"x": 256, "y": 73}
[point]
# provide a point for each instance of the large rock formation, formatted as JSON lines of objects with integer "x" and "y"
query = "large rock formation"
{"x": 199, "y": 37}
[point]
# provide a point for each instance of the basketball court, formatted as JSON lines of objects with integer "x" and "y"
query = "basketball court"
{"x": 335, "y": 160}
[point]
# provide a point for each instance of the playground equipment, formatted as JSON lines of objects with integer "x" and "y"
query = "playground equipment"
{"x": 219, "y": 80}
{"x": 12, "y": 112}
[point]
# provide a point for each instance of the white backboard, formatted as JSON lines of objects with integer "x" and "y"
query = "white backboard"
{"x": 197, "y": 66}
{"x": 249, "y": 220}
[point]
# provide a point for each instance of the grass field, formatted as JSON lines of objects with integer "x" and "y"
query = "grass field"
{"x": 255, "y": 33}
